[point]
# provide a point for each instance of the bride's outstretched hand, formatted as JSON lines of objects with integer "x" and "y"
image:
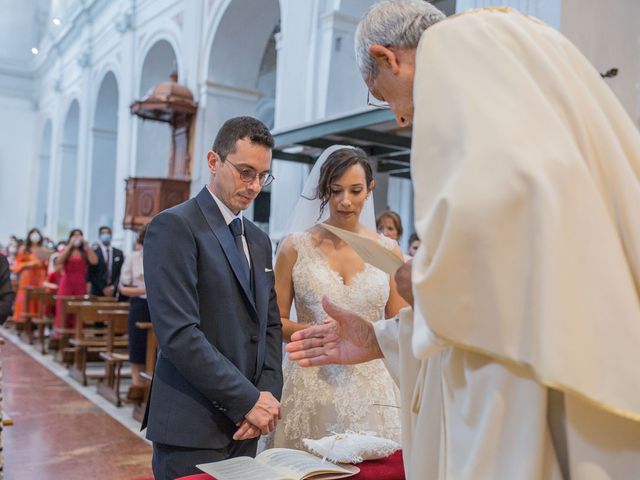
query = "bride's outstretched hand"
{"x": 344, "y": 338}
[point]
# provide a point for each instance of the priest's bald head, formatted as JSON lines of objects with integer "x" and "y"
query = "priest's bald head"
{"x": 386, "y": 42}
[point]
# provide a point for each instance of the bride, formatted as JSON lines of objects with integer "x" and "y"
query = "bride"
{"x": 312, "y": 263}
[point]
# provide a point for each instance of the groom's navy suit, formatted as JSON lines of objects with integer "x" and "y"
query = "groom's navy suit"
{"x": 219, "y": 332}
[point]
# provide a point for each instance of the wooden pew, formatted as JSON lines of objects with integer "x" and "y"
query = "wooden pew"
{"x": 60, "y": 340}
{"x": 149, "y": 367}
{"x": 25, "y": 325}
{"x": 62, "y": 333}
{"x": 46, "y": 311}
{"x": 115, "y": 354}
{"x": 89, "y": 335}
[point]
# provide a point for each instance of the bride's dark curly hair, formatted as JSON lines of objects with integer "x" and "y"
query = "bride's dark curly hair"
{"x": 335, "y": 166}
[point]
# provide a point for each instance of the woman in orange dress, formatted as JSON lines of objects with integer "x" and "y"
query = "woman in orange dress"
{"x": 31, "y": 267}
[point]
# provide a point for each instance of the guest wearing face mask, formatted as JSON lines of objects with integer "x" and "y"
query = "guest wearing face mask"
{"x": 31, "y": 267}
{"x": 12, "y": 252}
{"x": 75, "y": 260}
{"x": 105, "y": 274}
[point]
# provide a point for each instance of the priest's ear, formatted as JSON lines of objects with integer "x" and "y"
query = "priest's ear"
{"x": 385, "y": 57}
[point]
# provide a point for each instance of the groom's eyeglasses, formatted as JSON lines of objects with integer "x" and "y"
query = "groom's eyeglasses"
{"x": 375, "y": 103}
{"x": 249, "y": 175}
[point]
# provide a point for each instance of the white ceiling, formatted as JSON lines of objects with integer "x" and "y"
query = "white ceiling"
{"x": 22, "y": 25}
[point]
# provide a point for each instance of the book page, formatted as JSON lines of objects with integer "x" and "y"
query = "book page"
{"x": 240, "y": 468}
{"x": 369, "y": 249}
{"x": 300, "y": 464}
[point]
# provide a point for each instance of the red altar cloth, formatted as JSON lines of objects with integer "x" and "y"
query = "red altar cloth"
{"x": 390, "y": 468}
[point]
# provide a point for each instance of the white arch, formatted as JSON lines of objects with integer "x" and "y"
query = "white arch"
{"x": 230, "y": 77}
{"x": 154, "y": 138}
{"x": 229, "y": 40}
{"x": 68, "y": 171}
{"x": 167, "y": 35}
{"x": 101, "y": 174}
{"x": 108, "y": 68}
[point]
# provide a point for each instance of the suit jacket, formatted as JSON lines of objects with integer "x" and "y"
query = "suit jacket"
{"x": 219, "y": 346}
{"x": 6, "y": 292}
{"x": 98, "y": 273}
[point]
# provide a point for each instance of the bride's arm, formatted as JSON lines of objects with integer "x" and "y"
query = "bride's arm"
{"x": 395, "y": 302}
{"x": 284, "y": 288}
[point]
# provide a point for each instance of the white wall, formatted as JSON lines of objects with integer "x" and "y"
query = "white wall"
{"x": 546, "y": 10}
{"x": 18, "y": 181}
{"x": 608, "y": 34}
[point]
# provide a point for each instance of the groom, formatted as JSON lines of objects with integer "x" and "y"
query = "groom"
{"x": 213, "y": 307}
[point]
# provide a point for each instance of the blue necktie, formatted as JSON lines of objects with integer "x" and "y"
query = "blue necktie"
{"x": 236, "y": 229}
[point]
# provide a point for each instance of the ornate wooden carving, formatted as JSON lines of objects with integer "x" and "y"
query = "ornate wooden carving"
{"x": 148, "y": 196}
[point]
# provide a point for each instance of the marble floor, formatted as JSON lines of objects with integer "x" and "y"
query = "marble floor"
{"x": 60, "y": 430}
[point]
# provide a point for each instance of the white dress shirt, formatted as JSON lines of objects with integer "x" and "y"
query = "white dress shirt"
{"x": 107, "y": 254}
{"x": 229, "y": 216}
{"x": 133, "y": 271}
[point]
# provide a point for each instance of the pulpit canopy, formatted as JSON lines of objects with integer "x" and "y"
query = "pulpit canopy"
{"x": 167, "y": 102}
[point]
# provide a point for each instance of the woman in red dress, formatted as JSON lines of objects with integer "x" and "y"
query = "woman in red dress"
{"x": 31, "y": 267}
{"x": 75, "y": 260}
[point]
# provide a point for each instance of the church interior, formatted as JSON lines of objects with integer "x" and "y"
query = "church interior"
{"x": 107, "y": 111}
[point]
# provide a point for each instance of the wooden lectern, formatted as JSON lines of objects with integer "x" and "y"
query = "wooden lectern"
{"x": 171, "y": 103}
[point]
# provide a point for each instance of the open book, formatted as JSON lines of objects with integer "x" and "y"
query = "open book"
{"x": 277, "y": 464}
{"x": 369, "y": 249}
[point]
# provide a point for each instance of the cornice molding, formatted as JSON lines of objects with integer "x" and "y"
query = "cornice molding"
{"x": 55, "y": 43}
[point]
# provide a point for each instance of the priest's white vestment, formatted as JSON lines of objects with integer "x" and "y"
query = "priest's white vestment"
{"x": 527, "y": 196}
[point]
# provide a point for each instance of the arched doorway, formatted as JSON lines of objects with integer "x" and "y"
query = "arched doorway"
{"x": 154, "y": 138}
{"x": 44, "y": 162}
{"x": 103, "y": 157}
{"x": 241, "y": 76}
{"x": 68, "y": 172}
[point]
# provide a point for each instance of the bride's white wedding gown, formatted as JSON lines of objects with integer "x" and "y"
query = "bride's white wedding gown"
{"x": 336, "y": 398}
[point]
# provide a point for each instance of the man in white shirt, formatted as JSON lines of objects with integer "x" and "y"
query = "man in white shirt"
{"x": 210, "y": 289}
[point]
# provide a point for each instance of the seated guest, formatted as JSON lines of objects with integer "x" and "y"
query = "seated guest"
{"x": 132, "y": 285}
{"x": 414, "y": 244}
{"x": 105, "y": 274}
{"x": 31, "y": 268}
{"x": 6, "y": 292}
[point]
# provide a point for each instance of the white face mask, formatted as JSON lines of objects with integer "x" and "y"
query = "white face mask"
{"x": 77, "y": 242}
{"x": 35, "y": 237}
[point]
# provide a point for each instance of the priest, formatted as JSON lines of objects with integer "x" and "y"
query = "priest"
{"x": 519, "y": 358}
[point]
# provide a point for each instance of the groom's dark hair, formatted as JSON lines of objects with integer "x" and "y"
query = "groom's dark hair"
{"x": 238, "y": 128}
{"x": 336, "y": 164}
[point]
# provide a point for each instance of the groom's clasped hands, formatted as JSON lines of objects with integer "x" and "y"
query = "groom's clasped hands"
{"x": 261, "y": 419}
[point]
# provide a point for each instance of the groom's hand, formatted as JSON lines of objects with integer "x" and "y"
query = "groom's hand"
{"x": 265, "y": 413}
{"x": 246, "y": 431}
{"x": 345, "y": 338}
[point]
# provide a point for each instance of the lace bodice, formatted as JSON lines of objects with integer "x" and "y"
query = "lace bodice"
{"x": 313, "y": 278}
{"x": 336, "y": 398}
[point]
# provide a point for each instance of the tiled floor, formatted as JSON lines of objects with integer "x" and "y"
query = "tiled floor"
{"x": 59, "y": 433}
